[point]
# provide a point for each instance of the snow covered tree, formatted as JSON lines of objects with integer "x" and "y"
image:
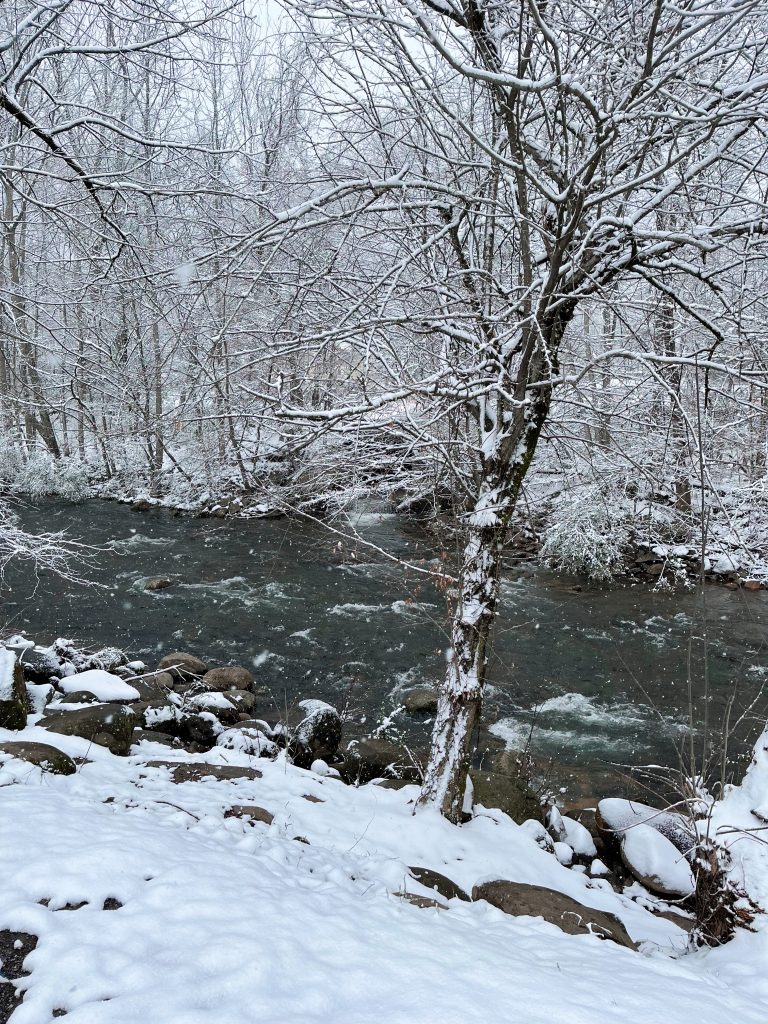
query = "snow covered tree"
{"x": 487, "y": 169}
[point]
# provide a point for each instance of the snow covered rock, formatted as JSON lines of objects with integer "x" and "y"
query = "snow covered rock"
{"x": 251, "y": 812}
{"x": 438, "y": 883}
{"x": 658, "y": 865}
{"x": 195, "y": 771}
{"x": 49, "y": 758}
{"x": 317, "y": 736}
{"x": 13, "y": 693}
{"x": 248, "y": 741}
{"x": 568, "y": 914}
{"x": 109, "y": 725}
{"x": 153, "y": 686}
{"x": 538, "y": 834}
{"x": 554, "y": 822}
{"x": 40, "y": 664}
{"x": 228, "y": 678}
{"x": 615, "y": 816}
{"x": 217, "y": 704}
{"x": 102, "y": 684}
{"x": 14, "y": 949}
{"x": 564, "y": 854}
{"x": 108, "y": 659}
{"x": 40, "y": 696}
{"x": 578, "y": 838}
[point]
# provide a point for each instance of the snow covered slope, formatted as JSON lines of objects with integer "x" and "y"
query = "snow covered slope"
{"x": 226, "y": 921}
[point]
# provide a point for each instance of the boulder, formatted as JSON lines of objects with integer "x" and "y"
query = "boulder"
{"x": 13, "y": 692}
{"x": 216, "y": 703}
{"x": 441, "y": 884}
{"x": 248, "y": 741}
{"x": 43, "y": 755}
{"x": 250, "y": 811}
{"x": 197, "y": 732}
{"x": 568, "y": 914}
{"x": 82, "y": 697}
{"x": 103, "y": 684}
{"x": 658, "y": 865}
{"x": 317, "y": 736}
{"x": 374, "y": 758}
{"x": 39, "y": 696}
{"x": 181, "y": 664}
{"x": 615, "y": 816}
{"x": 538, "y": 834}
{"x": 157, "y": 583}
{"x": 232, "y": 677}
{"x": 108, "y": 659}
{"x": 152, "y": 686}
{"x": 422, "y": 700}
{"x": 155, "y": 736}
{"x": 40, "y": 664}
{"x": 194, "y": 771}
{"x": 579, "y": 839}
{"x": 109, "y": 725}
{"x": 508, "y": 793}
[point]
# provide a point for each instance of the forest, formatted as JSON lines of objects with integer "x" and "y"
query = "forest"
{"x": 491, "y": 275}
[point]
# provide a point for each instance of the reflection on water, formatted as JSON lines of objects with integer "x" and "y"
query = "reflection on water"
{"x": 593, "y": 674}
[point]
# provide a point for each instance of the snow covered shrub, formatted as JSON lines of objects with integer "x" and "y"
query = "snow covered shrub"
{"x": 10, "y": 463}
{"x": 589, "y": 534}
{"x": 42, "y": 475}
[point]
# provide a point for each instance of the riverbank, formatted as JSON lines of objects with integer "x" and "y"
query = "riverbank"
{"x": 247, "y": 884}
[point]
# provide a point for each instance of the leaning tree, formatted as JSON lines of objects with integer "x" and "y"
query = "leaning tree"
{"x": 485, "y": 168}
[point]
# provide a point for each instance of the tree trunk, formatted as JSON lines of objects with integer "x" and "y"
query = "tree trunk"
{"x": 460, "y": 702}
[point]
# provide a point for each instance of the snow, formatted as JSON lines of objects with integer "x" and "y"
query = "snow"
{"x": 578, "y": 837}
{"x": 652, "y": 856}
{"x": 7, "y": 667}
{"x": 226, "y": 920}
{"x": 103, "y": 685}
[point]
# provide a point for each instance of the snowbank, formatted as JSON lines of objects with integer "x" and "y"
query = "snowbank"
{"x": 226, "y": 920}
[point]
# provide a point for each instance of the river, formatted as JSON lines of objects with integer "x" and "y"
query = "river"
{"x": 598, "y": 676}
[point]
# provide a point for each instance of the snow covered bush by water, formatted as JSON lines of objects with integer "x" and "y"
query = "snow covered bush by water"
{"x": 42, "y": 475}
{"x": 589, "y": 534}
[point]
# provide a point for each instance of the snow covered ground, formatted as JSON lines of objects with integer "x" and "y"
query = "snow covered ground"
{"x": 229, "y": 920}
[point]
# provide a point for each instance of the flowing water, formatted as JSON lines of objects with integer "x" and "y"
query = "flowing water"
{"x": 594, "y": 676}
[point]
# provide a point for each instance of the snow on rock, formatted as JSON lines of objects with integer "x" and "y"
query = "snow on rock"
{"x": 7, "y": 670}
{"x": 614, "y": 816}
{"x": 564, "y": 853}
{"x": 103, "y": 685}
{"x": 655, "y": 862}
{"x": 223, "y": 921}
{"x": 578, "y": 838}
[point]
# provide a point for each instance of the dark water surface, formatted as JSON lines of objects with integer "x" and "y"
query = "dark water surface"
{"x": 600, "y": 673}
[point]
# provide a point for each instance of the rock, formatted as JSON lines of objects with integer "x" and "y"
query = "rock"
{"x": 109, "y": 725}
{"x": 155, "y": 736}
{"x": 153, "y": 686}
{"x": 508, "y": 793}
{"x": 43, "y": 755}
{"x": 553, "y": 820}
{"x": 317, "y": 736}
{"x": 564, "y": 854}
{"x": 14, "y": 949}
{"x": 597, "y": 869}
{"x": 40, "y": 664}
{"x": 658, "y": 865}
{"x": 13, "y": 692}
{"x": 216, "y": 703}
{"x": 539, "y": 834}
{"x": 39, "y": 696}
{"x": 440, "y": 883}
{"x": 569, "y": 915}
{"x": 82, "y": 697}
{"x": 244, "y": 701}
{"x": 108, "y": 659}
{"x": 104, "y": 685}
{"x": 579, "y": 839}
{"x": 157, "y": 583}
{"x": 421, "y": 701}
{"x": 420, "y": 901}
{"x": 614, "y": 816}
{"x": 194, "y": 771}
{"x": 368, "y": 759}
{"x": 248, "y": 741}
{"x": 232, "y": 677}
{"x": 197, "y": 732}
{"x": 752, "y": 585}
{"x": 250, "y": 811}
{"x": 181, "y": 664}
